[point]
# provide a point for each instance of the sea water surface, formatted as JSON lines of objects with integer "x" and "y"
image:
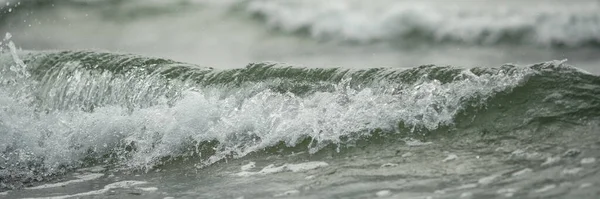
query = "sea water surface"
{"x": 299, "y": 99}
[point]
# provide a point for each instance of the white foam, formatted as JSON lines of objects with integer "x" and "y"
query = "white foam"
{"x": 306, "y": 166}
{"x": 550, "y": 161}
{"x": 522, "y": 172}
{"x": 383, "y": 193}
{"x": 270, "y": 169}
{"x": 149, "y": 189}
{"x": 488, "y": 179}
{"x": 79, "y": 179}
{"x": 407, "y": 154}
{"x": 585, "y": 185}
{"x": 588, "y": 160}
{"x": 248, "y": 166}
{"x": 389, "y": 165}
{"x": 450, "y": 157}
{"x": 545, "y": 188}
{"x": 466, "y": 195}
{"x": 121, "y": 184}
{"x": 414, "y": 142}
{"x": 507, "y": 192}
{"x": 572, "y": 171}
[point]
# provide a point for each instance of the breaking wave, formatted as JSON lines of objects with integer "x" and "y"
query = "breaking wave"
{"x": 549, "y": 24}
{"x": 62, "y": 110}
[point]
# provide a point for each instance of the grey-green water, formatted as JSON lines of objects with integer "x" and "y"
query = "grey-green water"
{"x": 171, "y": 129}
{"x": 448, "y": 120}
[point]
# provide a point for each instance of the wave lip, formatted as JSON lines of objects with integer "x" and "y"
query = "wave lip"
{"x": 554, "y": 24}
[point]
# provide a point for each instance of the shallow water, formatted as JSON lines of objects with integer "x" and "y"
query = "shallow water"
{"x": 387, "y": 171}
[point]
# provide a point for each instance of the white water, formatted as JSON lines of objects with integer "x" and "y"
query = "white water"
{"x": 253, "y": 117}
{"x": 487, "y": 22}
{"x": 271, "y": 169}
{"x": 242, "y": 120}
{"x": 80, "y": 179}
{"x": 116, "y": 185}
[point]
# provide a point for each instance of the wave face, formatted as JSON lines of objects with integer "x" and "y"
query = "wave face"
{"x": 63, "y": 110}
{"x": 553, "y": 23}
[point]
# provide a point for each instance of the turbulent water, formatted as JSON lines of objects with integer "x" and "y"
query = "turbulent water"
{"x": 65, "y": 110}
{"x": 95, "y": 123}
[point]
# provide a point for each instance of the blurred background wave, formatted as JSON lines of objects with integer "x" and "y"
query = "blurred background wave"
{"x": 313, "y": 33}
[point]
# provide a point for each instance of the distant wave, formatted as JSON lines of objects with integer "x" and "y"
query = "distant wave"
{"x": 543, "y": 24}
{"x": 549, "y": 24}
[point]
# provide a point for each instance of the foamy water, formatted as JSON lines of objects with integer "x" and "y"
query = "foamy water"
{"x": 81, "y": 123}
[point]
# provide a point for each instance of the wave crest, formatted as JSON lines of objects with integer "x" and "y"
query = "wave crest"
{"x": 551, "y": 24}
{"x": 168, "y": 110}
